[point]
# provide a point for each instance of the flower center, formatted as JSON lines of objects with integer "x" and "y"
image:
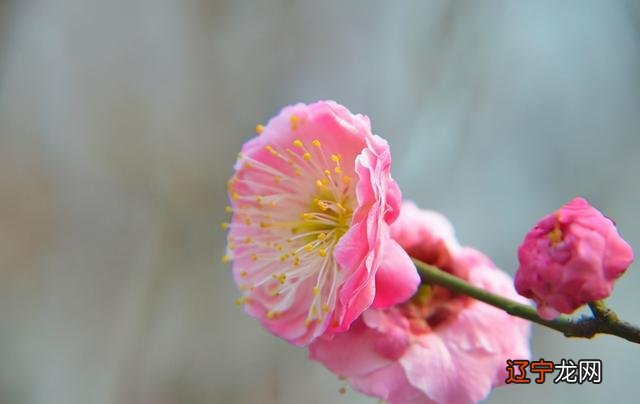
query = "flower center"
{"x": 291, "y": 206}
{"x": 431, "y": 307}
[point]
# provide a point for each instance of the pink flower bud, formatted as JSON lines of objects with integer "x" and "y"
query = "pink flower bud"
{"x": 570, "y": 258}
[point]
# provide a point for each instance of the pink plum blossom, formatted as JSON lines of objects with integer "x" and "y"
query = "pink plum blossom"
{"x": 570, "y": 258}
{"x": 439, "y": 347}
{"x": 312, "y": 200}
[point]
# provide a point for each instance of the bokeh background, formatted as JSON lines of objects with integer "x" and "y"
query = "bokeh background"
{"x": 120, "y": 122}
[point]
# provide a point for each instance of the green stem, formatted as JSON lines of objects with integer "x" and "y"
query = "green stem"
{"x": 604, "y": 321}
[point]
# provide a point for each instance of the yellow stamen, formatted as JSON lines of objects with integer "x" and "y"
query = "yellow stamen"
{"x": 316, "y": 143}
{"x": 316, "y": 291}
{"x": 259, "y": 129}
{"x": 555, "y": 235}
{"x": 307, "y": 156}
{"x": 225, "y": 259}
{"x": 228, "y": 209}
{"x": 295, "y": 122}
{"x": 297, "y": 143}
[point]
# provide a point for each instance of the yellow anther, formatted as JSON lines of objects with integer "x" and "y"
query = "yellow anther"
{"x": 275, "y": 293}
{"x": 240, "y": 301}
{"x": 346, "y": 179}
{"x": 307, "y": 322}
{"x": 296, "y": 261}
{"x": 282, "y": 278}
{"x": 271, "y": 150}
{"x": 314, "y": 311}
{"x": 295, "y": 121}
{"x": 316, "y": 291}
{"x": 254, "y": 257}
{"x": 326, "y": 308}
{"x": 225, "y": 259}
{"x": 284, "y": 257}
{"x": 322, "y": 236}
{"x": 297, "y": 172}
{"x": 322, "y": 252}
{"x": 224, "y": 225}
{"x": 263, "y": 225}
{"x": 259, "y": 199}
{"x": 243, "y": 274}
{"x": 259, "y": 129}
{"x": 320, "y": 184}
{"x": 555, "y": 235}
{"x": 235, "y": 196}
{"x": 277, "y": 178}
{"x": 307, "y": 216}
{"x": 278, "y": 247}
{"x": 297, "y": 143}
{"x": 231, "y": 247}
{"x": 271, "y": 314}
{"x": 247, "y": 240}
{"x": 335, "y": 158}
{"x": 307, "y": 156}
{"x": 337, "y": 170}
{"x": 316, "y": 143}
{"x": 248, "y": 165}
{"x": 228, "y": 209}
{"x": 308, "y": 247}
{"x": 327, "y": 173}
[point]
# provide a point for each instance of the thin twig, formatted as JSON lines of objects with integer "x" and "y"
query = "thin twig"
{"x": 604, "y": 321}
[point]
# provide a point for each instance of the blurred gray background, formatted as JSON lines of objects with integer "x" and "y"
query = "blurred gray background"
{"x": 120, "y": 122}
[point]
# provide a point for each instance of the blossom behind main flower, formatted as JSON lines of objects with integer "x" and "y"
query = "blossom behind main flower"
{"x": 312, "y": 198}
{"x": 439, "y": 347}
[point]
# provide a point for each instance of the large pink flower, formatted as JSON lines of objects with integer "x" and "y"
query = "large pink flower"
{"x": 439, "y": 347}
{"x": 312, "y": 199}
{"x": 571, "y": 257}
